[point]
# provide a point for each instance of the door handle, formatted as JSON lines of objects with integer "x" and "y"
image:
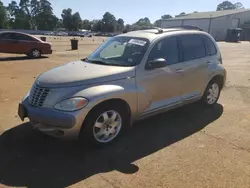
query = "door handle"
{"x": 179, "y": 71}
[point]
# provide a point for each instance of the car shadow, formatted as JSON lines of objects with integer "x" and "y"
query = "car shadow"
{"x": 29, "y": 158}
{"x": 20, "y": 58}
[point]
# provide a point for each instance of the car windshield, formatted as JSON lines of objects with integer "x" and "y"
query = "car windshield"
{"x": 120, "y": 51}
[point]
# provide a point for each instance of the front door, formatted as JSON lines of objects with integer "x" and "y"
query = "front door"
{"x": 160, "y": 87}
{"x": 195, "y": 69}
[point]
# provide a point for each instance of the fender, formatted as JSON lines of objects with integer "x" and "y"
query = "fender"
{"x": 217, "y": 70}
{"x": 101, "y": 93}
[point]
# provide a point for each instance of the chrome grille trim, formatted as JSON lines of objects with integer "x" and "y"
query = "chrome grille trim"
{"x": 38, "y": 95}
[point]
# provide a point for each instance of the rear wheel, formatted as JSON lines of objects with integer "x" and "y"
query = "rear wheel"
{"x": 212, "y": 93}
{"x": 104, "y": 125}
{"x": 35, "y": 53}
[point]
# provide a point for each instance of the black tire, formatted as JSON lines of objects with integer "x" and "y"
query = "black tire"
{"x": 87, "y": 132}
{"x": 35, "y": 53}
{"x": 206, "y": 100}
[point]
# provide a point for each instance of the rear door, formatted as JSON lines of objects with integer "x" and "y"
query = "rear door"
{"x": 1, "y": 43}
{"x": 8, "y": 43}
{"x": 195, "y": 69}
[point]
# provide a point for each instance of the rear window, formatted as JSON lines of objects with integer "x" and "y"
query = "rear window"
{"x": 192, "y": 47}
{"x": 210, "y": 47}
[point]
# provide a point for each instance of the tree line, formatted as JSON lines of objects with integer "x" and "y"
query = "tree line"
{"x": 38, "y": 15}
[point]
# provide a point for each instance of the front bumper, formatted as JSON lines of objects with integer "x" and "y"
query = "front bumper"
{"x": 53, "y": 122}
{"x": 47, "y": 51}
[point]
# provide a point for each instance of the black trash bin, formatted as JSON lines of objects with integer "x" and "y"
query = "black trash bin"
{"x": 43, "y": 39}
{"x": 74, "y": 44}
{"x": 233, "y": 35}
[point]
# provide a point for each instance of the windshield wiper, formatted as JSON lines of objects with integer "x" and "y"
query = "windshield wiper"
{"x": 97, "y": 62}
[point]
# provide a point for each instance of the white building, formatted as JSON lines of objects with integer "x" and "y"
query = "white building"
{"x": 216, "y": 23}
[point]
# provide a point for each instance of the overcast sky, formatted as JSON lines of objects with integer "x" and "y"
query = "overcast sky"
{"x": 132, "y": 10}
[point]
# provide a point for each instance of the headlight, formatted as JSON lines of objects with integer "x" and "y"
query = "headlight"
{"x": 71, "y": 104}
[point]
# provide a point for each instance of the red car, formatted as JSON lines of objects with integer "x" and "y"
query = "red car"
{"x": 21, "y": 43}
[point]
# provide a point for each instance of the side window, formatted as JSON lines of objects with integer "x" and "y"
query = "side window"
{"x": 192, "y": 47}
{"x": 23, "y": 37}
{"x": 166, "y": 49}
{"x": 8, "y": 36}
{"x": 210, "y": 47}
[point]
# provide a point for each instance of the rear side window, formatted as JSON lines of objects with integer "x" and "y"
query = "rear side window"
{"x": 167, "y": 49}
{"x": 23, "y": 37}
{"x": 192, "y": 47}
{"x": 210, "y": 47}
{"x": 7, "y": 36}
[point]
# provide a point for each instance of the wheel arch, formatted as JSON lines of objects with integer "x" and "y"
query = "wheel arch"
{"x": 116, "y": 101}
{"x": 220, "y": 79}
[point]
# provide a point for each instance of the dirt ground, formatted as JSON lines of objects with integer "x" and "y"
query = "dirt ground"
{"x": 188, "y": 147}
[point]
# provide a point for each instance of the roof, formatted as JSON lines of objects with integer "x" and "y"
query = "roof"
{"x": 2, "y": 32}
{"x": 211, "y": 14}
{"x": 152, "y": 34}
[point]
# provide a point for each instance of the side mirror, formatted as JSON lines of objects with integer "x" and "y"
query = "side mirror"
{"x": 157, "y": 63}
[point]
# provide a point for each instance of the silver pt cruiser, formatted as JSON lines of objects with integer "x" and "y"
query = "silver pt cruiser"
{"x": 130, "y": 77}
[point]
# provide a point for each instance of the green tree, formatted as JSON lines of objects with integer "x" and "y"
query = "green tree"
{"x": 86, "y": 24}
{"x": 67, "y": 18}
{"x": 128, "y": 28}
{"x": 166, "y": 16}
{"x": 19, "y": 17}
{"x": 120, "y": 25}
{"x": 96, "y": 25}
{"x": 108, "y": 23}
{"x": 238, "y": 5}
{"x": 225, "y": 5}
{"x": 72, "y": 22}
{"x": 76, "y": 21}
{"x": 42, "y": 12}
{"x": 181, "y": 14}
{"x": 3, "y": 16}
{"x": 32, "y": 14}
{"x": 143, "y": 22}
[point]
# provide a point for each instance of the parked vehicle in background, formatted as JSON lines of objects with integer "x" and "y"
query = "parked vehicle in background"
{"x": 87, "y": 34}
{"x": 61, "y": 33}
{"x": 21, "y": 43}
{"x": 130, "y": 77}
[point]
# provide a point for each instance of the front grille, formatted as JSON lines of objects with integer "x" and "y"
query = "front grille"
{"x": 38, "y": 95}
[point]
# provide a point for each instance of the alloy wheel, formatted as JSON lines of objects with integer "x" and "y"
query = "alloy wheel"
{"x": 213, "y": 93}
{"x": 107, "y": 126}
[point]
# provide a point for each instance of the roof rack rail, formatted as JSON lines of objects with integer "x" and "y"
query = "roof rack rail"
{"x": 160, "y": 30}
{"x": 187, "y": 27}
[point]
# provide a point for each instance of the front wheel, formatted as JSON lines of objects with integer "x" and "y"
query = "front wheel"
{"x": 35, "y": 53}
{"x": 212, "y": 93}
{"x": 103, "y": 125}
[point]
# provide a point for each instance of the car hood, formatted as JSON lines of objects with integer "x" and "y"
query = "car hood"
{"x": 83, "y": 73}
